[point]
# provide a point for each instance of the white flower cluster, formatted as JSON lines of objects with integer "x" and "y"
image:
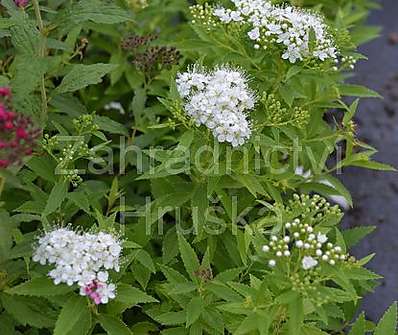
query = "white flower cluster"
{"x": 82, "y": 259}
{"x": 314, "y": 246}
{"x": 219, "y": 100}
{"x": 288, "y": 26}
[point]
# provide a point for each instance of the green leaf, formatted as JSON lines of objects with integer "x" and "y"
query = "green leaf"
{"x": 28, "y": 310}
{"x": 107, "y": 124}
{"x": 248, "y": 325}
{"x": 194, "y": 310}
{"x": 373, "y": 165}
{"x": 99, "y": 12}
{"x": 359, "y": 327}
{"x": 357, "y": 91}
{"x": 146, "y": 260}
{"x": 172, "y": 318}
{"x": 55, "y": 199}
{"x": 6, "y": 227}
{"x": 388, "y": 324}
{"x": 199, "y": 204}
{"x": 113, "y": 326}
{"x": 29, "y": 71}
{"x": 296, "y": 316}
{"x": 72, "y": 312}
{"x": 132, "y": 296}
{"x": 40, "y": 287}
{"x": 82, "y": 76}
{"x": 189, "y": 257}
{"x": 354, "y": 235}
{"x": 339, "y": 187}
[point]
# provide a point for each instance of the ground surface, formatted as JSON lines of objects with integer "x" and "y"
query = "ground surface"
{"x": 375, "y": 194}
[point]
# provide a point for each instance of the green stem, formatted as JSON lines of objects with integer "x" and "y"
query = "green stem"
{"x": 2, "y": 183}
{"x": 42, "y": 53}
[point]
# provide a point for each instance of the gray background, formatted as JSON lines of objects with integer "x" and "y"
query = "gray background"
{"x": 375, "y": 194}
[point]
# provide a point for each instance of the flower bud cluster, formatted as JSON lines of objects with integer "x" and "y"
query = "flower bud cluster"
{"x": 85, "y": 124}
{"x": 300, "y": 33}
{"x": 156, "y": 56}
{"x": 136, "y": 41}
{"x": 219, "y": 100}
{"x": 203, "y": 15}
{"x": 348, "y": 62}
{"x": 66, "y": 155}
{"x": 302, "y": 239}
{"x": 137, "y": 4}
{"x": 279, "y": 114}
{"x": 315, "y": 208}
{"x": 82, "y": 259}
{"x": 150, "y": 57}
{"x": 18, "y": 134}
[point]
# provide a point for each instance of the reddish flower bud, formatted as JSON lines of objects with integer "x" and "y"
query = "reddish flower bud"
{"x": 5, "y": 91}
{"x": 3, "y": 113}
{"x": 3, "y": 145}
{"x": 8, "y": 125}
{"x": 21, "y": 133}
{"x": 4, "y": 163}
{"x": 21, "y": 3}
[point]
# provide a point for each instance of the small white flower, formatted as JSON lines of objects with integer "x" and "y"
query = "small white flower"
{"x": 81, "y": 259}
{"x": 272, "y": 263}
{"x": 290, "y": 27}
{"x": 299, "y": 244}
{"x": 219, "y": 100}
{"x": 309, "y": 262}
{"x": 254, "y": 34}
{"x": 322, "y": 238}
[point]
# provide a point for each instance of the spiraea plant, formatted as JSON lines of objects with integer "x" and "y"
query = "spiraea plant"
{"x": 167, "y": 167}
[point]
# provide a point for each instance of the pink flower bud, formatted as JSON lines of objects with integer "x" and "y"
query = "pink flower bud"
{"x": 8, "y": 125}
{"x": 5, "y": 91}
{"x": 21, "y": 3}
{"x": 21, "y": 134}
{"x": 4, "y": 163}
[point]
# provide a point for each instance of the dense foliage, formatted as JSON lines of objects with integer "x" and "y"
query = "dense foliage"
{"x": 171, "y": 168}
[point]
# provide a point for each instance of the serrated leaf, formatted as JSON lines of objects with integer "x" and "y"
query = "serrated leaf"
{"x": 40, "y": 287}
{"x": 6, "y": 240}
{"x": 113, "y": 326}
{"x": 248, "y": 325}
{"x": 132, "y": 296}
{"x": 373, "y": 165}
{"x": 354, "y": 235}
{"x": 189, "y": 258}
{"x": 56, "y": 197}
{"x": 194, "y": 310}
{"x": 357, "y": 91}
{"x": 29, "y": 311}
{"x": 172, "y": 318}
{"x": 359, "y": 327}
{"x": 99, "y": 12}
{"x": 72, "y": 312}
{"x": 388, "y": 323}
{"x": 82, "y": 76}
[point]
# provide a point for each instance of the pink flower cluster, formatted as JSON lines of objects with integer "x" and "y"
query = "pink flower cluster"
{"x": 99, "y": 292}
{"x": 17, "y": 133}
